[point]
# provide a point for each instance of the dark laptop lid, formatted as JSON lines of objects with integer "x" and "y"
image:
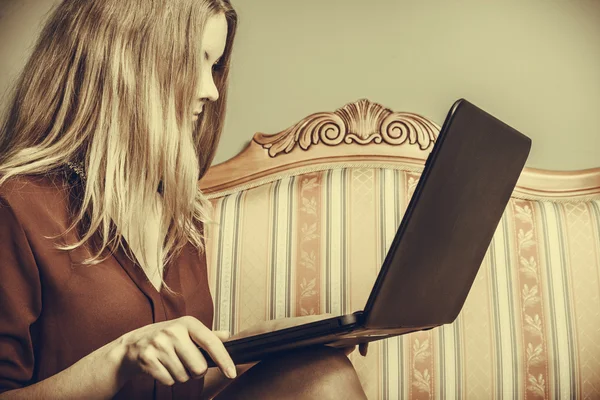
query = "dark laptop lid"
{"x": 449, "y": 222}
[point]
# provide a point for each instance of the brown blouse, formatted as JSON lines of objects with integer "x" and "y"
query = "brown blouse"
{"x": 53, "y": 313}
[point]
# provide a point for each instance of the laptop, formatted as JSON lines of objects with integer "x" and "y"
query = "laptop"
{"x": 438, "y": 248}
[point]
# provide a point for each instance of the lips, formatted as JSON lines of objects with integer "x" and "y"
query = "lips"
{"x": 196, "y": 113}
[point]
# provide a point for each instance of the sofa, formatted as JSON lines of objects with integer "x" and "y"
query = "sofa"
{"x": 304, "y": 217}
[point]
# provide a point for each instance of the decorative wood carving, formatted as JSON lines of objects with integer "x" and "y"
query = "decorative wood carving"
{"x": 361, "y": 122}
{"x": 367, "y": 134}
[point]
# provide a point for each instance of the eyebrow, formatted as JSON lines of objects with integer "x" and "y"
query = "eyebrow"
{"x": 206, "y": 57}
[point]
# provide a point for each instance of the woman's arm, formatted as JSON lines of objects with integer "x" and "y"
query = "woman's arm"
{"x": 95, "y": 376}
{"x": 98, "y": 374}
{"x": 167, "y": 351}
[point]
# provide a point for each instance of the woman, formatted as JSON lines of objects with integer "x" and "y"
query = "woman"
{"x": 115, "y": 118}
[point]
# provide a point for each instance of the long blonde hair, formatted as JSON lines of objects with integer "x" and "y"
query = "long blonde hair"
{"x": 110, "y": 85}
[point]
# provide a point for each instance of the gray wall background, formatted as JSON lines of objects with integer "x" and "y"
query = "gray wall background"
{"x": 533, "y": 63}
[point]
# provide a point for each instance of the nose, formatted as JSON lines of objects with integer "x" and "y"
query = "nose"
{"x": 208, "y": 90}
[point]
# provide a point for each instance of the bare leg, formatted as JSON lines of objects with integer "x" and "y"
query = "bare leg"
{"x": 319, "y": 373}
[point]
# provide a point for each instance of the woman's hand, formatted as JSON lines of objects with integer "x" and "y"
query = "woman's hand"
{"x": 282, "y": 323}
{"x": 168, "y": 351}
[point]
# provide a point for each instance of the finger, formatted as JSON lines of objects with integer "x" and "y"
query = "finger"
{"x": 223, "y": 335}
{"x": 363, "y": 348}
{"x": 150, "y": 364}
{"x": 170, "y": 360}
{"x": 161, "y": 374}
{"x": 191, "y": 357}
{"x": 206, "y": 339}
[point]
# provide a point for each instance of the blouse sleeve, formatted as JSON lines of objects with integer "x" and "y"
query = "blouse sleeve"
{"x": 20, "y": 302}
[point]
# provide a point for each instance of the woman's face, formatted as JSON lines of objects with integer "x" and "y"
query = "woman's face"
{"x": 212, "y": 47}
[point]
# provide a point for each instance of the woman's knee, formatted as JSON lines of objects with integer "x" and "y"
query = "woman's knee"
{"x": 318, "y": 362}
{"x": 333, "y": 375}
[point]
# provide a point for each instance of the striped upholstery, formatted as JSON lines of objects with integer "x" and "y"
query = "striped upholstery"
{"x": 314, "y": 243}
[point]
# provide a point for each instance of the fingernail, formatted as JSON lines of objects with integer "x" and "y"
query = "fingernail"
{"x": 231, "y": 372}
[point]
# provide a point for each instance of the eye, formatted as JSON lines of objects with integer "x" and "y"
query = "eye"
{"x": 218, "y": 65}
